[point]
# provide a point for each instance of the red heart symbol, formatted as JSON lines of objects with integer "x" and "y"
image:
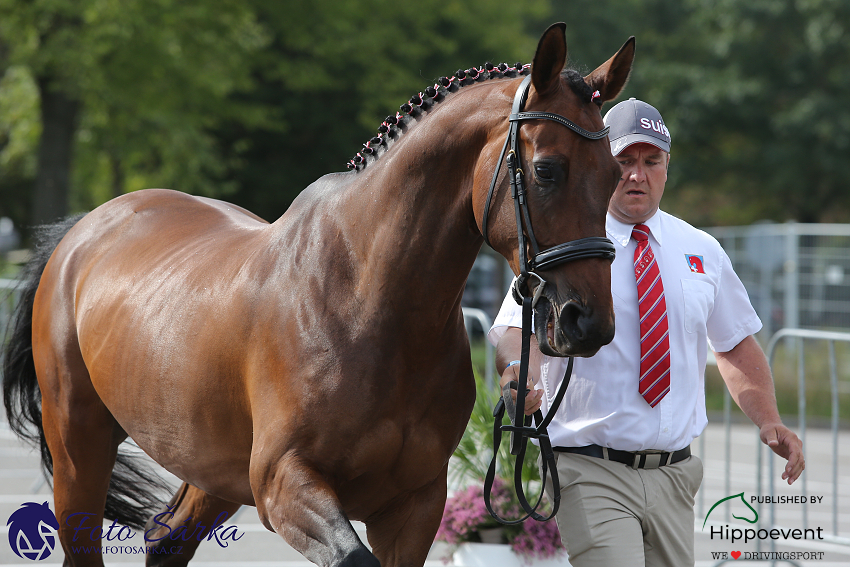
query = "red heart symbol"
{"x": 736, "y": 554}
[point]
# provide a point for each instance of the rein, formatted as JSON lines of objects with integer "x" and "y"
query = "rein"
{"x": 590, "y": 247}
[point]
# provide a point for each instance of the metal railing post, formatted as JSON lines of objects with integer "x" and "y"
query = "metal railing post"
{"x": 830, "y": 337}
{"x": 801, "y": 415}
{"x": 833, "y": 386}
{"x": 484, "y": 321}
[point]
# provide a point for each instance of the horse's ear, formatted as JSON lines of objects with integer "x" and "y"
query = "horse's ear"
{"x": 610, "y": 77}
{"x": 550, "y": 59}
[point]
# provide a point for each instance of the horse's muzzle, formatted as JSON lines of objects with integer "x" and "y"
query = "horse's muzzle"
{"x": 574, "y": 329}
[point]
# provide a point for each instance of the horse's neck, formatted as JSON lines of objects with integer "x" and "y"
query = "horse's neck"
{"x": 408, "y": 219}
{"x": 418, "y": 201}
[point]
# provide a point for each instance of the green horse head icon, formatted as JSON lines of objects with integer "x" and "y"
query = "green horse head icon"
{"x": 741, "y": 496}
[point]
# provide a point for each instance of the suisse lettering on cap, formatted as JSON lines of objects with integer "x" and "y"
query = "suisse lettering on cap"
{"x": 656, "y": 126}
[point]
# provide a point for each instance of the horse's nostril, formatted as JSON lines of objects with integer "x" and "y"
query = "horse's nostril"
{"x": 576, "y": 321}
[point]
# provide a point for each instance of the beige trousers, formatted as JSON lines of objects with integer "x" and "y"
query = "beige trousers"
{"x": 612, "y": 515}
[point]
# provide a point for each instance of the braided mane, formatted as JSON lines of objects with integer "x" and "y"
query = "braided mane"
{"x": 394, "y": 125}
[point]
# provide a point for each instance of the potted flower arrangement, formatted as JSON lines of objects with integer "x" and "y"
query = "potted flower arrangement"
{"x": 467, "y": 526}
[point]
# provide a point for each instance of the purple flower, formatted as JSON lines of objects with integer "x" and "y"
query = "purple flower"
{"x": 465, "y": 514}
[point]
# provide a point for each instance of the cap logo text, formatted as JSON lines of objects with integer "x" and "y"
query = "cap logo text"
{"x": 655, "y": 125}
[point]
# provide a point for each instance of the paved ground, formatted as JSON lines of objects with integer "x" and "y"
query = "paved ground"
{"x": 20, "y": 482}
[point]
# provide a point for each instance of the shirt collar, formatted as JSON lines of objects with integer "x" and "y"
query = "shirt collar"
{"x": 621, "y": 232}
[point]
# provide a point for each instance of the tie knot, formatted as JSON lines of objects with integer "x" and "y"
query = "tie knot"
{"x": 640, "y": 232}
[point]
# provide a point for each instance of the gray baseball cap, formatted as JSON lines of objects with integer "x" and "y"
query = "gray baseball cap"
{"x": 633, "y": 121}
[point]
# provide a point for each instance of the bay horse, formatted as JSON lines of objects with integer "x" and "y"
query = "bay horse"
{"x": 316, "y": 367}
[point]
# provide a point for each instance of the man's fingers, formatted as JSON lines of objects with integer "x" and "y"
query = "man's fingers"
{"x": 787, "y": 445}
{"x": 533, "y": 400}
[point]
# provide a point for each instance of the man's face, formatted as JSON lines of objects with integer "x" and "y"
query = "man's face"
{"x": 640, "y": 189}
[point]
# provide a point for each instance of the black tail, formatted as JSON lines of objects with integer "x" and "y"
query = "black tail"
{"x": 133, "y": 490}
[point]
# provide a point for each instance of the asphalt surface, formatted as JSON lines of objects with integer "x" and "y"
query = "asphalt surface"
{"x": 21, "y": 481}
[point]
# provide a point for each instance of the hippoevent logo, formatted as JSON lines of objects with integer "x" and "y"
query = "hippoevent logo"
{"x": 731, "y": 534}
{"x": 32, "y": 531}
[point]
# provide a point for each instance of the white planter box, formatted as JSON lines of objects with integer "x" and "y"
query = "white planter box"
{"x": 498, "y": 554}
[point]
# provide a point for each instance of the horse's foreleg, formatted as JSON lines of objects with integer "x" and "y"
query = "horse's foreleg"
{"x": 402, "y": 535}
{"x": 296, "y": 502}
{"x": 177, "y": 531}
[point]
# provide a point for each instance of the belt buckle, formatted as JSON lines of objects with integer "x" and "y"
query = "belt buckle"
{"x": 653, "y": 461}
{"x": 649, "y": 459}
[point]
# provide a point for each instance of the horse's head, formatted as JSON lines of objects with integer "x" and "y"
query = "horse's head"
{"x": 569, "y": 179}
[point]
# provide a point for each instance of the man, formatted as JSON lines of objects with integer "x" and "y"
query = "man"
{"x": 622, "y": 434}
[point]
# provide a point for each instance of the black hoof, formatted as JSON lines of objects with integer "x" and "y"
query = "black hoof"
{"x": 360, "y": 558}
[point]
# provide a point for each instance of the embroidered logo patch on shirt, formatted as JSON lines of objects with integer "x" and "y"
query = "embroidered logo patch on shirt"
{"x": 695, "y": 263}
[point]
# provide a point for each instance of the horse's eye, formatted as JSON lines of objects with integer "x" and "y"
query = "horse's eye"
{"x": 543, "y": 172}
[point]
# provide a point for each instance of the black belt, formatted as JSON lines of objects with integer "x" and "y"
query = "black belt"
{"x": 636, "y": 460}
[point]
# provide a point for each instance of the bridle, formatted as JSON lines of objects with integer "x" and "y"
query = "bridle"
{"x": 590, "y": 247}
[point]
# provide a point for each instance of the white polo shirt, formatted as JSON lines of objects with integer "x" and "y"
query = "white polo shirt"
{"x": 707, "y": 305}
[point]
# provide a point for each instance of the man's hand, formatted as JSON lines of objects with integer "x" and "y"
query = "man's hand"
{"x": 533, "y": 399}
{"x": 787, "y": 445}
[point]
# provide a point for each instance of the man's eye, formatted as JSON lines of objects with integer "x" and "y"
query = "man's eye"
{"x": 543, "y": 172}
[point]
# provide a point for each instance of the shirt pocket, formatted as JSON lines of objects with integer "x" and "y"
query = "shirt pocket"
{"x": 698, "y": 297}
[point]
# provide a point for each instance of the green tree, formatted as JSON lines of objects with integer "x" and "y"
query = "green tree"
{"x": 336, "y": 68}
{"x": 765, "y": 120}
{"x": 137, "y": 84}
{"x": 754, "y": 94}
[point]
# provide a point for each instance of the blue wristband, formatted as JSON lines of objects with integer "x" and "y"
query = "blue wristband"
{"x": 513, "y": 363}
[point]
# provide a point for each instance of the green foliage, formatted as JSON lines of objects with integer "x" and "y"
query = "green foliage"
{"x": 756, "y": 100}
{"x": 255, "y": 99}
{"x": 753, "y": 92}
{"x": 473, "y": 454}
{"x": 20, "y": 128}
{"x": 337, "y": 68}
{"x": 154, "y": 79}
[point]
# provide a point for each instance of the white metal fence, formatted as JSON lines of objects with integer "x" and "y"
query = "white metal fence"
{"x": 797, "y": 275}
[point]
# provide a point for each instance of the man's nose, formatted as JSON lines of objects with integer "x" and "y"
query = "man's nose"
{"x": 637, "y": 174}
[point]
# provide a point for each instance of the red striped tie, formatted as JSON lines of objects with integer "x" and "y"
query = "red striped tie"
{"x": 654, "y": 336}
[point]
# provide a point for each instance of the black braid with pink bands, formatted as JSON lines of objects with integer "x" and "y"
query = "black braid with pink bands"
{"x": 392, "y": 125}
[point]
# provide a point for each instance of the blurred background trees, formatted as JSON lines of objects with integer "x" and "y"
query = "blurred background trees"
{"x": 251, "y": 100}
